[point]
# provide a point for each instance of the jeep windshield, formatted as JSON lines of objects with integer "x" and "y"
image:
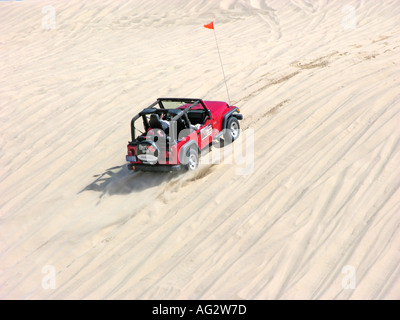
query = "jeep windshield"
{"x": 177, "y": 103}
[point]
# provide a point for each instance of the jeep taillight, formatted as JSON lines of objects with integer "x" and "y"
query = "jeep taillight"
{"x": 132, "y": 151}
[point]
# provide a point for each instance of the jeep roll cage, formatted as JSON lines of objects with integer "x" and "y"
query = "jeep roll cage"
{"x": 179, "y": 113}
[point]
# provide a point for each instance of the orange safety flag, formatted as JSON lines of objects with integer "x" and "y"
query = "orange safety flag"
{"x": 209, "y": 26}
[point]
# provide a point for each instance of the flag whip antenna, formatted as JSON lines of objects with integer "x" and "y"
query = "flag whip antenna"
{"x": 211, "y": 26}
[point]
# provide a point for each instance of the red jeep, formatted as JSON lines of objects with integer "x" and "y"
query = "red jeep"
{"x": 173, "y": 132}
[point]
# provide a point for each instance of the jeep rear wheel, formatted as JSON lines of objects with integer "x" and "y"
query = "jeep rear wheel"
{"x": 192, "y": 160}
{"x": 232, "y": 130}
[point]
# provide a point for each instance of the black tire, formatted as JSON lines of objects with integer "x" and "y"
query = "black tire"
{"x": 192, "y": 160}
{"x": 232, "y": 130}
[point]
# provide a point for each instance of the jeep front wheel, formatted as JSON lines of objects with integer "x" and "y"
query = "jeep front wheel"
{"x": 232, "y": 130}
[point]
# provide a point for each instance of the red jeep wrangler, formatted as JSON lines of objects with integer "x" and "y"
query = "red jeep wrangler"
{"x": 173, "y": 132}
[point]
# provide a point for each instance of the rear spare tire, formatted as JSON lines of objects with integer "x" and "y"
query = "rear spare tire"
{"x": 148, "y": 152}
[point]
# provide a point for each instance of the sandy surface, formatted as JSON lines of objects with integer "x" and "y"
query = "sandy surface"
{"x": 316, "y": 217}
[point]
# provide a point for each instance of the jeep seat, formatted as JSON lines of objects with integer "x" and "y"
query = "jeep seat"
{"x": 155, "y": 123}
{"x": 197, "y": 116}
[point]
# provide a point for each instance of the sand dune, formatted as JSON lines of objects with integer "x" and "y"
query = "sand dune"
{"x": 317, "y": 83}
